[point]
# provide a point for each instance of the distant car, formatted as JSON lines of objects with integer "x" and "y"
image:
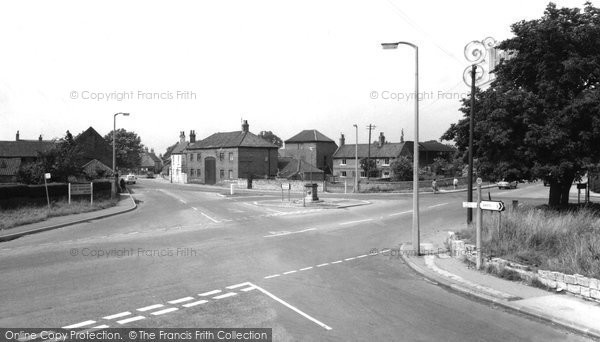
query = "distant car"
{"x": 507, "y": 185}
{"x": 149, "y": 174}
{"x": 130, "y": 179}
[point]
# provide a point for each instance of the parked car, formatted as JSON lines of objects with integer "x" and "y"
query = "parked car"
{"x": 130, "y": 178}
{"x": 503, "y": 184}
{"x": 149, "y": 174}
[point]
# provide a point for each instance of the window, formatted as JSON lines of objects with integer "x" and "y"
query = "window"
{"x": 221, "y": 157}
{"x": 343, "y": 162}
{"x": 386, "y": 161}
{"x": 198, "y": 173}
{"x": 222, "y": 173}
{"x": 198, "y": 157}
{"x": 230, "y": 156}
{"x": 386, "y": 174}
{"x": 343, "y": 173}
{"x": 362, "y": 174}
{"x": 195, "y": 156}
{"x": 230, "y": 174}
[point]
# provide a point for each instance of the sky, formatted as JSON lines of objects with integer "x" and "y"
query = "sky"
{"x": 284, "y": 66}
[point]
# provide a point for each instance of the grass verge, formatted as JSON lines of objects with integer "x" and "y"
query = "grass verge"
{"x": 563, "y": 241}
{"x": 31, "y": 214}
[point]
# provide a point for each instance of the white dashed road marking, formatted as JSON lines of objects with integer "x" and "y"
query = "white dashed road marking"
{"x": 336, "y": 262}
{"x": 246, "y": 289}
{"x": 228, "y": 294}
{"x": 188, "y": 305}
{"x": 401, "y": 213}
{"x": 237, "y": 285}
{"x": 306, "y": 268}
{"x": 348, "y": 259}
{"x": 164, "y": 311}
{"x": 79, "y": 325}
{"x": 352, "y": 222}
{"x": 290, "y": 272}
{"x": 208, "y": 217}
{"x": 209, "y": 293}
{"x": 321, "y": 265}
{"x": 180, "y": 300}
{"x": 288, "y": 233}
{"x": 272, "y": 276}
{"x": 437, "y": 205}
{"x": 119, "y": 315}
{"x": 132, "y": 319}
{"x": 151, "y": 307}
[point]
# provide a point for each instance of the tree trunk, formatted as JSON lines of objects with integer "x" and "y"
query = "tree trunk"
{"x": 564, "y": 192}
{"x": 559, "y": 193}
{"x": 555, "y": 195}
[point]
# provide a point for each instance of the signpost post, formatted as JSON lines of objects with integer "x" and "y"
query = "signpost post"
{"x": 47, "y": 176}
{"x": 82, "y": 189}
{"x": 478, "y": 227}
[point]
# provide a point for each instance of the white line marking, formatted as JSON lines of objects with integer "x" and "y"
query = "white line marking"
{"x": 180, "y": 300}
{"x": 321, "y": 265}
{"x": 361, "y": 256}
{"x": 182, "y": 201}
{"x": 132, "y": 319}
{"x": 437, "y": 205}
{"x": 188, "y": 305}
{"x": 162, "y": 312}
{"x": 348, "y": 259}
{"x": 306, "y": 268}
{"x": 352, "y": 222}
{"x": 103, "y": 326}
{"x": 290, "y": 272}
{"x": 336, "y": 262}
{"x": 209, "y": 293}
{"x": 195, "y": 208}
{"x": 246, "y": 289}
{"x": 208, "y": 217}
{"x": 228, "y": 294}
{"x": 288, "y": 233}
{"x": 384, "y": 250}
{"x": 151, "y": 307}
{"x": 293, "y": 308}
{"x": 401, "y": 213}
{"x": 119, "y": 315}
{"x": 78, "y": 325}
{"x": 272, "y": 276}
{"x": 237, "y": 285}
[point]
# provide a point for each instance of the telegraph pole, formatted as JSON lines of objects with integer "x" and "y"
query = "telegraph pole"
{"x": 470, "y": 171}
{"x": 370, "y": 128}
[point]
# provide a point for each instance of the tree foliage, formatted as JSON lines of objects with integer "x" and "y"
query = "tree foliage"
{"x": 402, "y": 169}
{"x": 540, "y": 118}
{"x": 129, "y": 148}
{"x": 271, "y": 137}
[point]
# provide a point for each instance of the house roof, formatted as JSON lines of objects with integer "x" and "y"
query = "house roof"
{"x": 231, "y": 139}
{"x": 436, "y": 146}
{"x": 9, "y": 166}
{"x": 93, "y": 146}
{"x": 388, "y": 150}
{"x": 94, "y": 165}
{"x": 24, "y": 148}
{"x": 296, "y": 166}
{"x": 309, "y": 135}
{"x": 179, "y": 147}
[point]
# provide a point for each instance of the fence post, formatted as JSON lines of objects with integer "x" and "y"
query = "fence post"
{"x": 69, "y": 184}
{"x": 91, "y": 194}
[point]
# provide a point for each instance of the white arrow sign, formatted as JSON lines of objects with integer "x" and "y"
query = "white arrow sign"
{"x": 470, "y": 205}
{"x": 492, "y": 205}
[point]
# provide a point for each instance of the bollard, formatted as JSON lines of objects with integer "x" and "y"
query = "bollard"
{"x": 231, "y": 189}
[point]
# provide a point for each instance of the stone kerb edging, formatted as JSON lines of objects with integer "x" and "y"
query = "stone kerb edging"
{"x": 575, "y": 284}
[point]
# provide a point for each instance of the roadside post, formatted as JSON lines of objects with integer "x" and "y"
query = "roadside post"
{"x": 345, "y": 187}
{"x": 281, "y": 192}
{"x": 478, "y": 226}
{"x": 231, "y": 189}
{"x": 47, "y": 176}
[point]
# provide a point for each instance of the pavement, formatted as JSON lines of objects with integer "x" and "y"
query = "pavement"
{"x": 563, "y": 310}
{"x": 126, "y": 203}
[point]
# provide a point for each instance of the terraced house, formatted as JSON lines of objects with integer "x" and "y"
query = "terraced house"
{"x": 229, "y": 156}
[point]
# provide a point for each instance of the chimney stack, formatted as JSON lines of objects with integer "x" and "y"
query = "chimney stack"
{"x": 402, "y": 135}
{"x": 245, "y": 126}
{"x": 192, "y": 137}
{"x": 40, "y": 138}
{"x": 381, "y": 139}
{"x": 152, "y": 150}
{"x": 182, "y": 137}
{"x": 342, "y": 140}
{"x": 17, "y": 137}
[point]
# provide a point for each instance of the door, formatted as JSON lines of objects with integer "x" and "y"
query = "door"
{"x": 210, "y": 170}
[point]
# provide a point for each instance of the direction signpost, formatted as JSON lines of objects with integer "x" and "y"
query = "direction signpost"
{"x": 492, "y": 205}
{"x": 47, "y": 176}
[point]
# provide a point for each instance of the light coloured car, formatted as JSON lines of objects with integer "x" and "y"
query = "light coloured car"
{"x": 503, "y": 184}
{"x": 130, "y": 179}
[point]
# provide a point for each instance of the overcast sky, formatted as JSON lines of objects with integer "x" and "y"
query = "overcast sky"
{"x": 284, "y": 66}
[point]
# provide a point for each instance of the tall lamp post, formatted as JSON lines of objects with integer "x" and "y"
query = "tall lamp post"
{"x": 415, "y": 221}
{"x": 114, "y": 161}
{"x": 356, "y": 161}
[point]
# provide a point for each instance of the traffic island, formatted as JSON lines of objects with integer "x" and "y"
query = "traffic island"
{"x": 328, "y": 203}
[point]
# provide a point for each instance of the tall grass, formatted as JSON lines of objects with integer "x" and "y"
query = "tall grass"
{"x": 567, "y": 241}
{"x": 31, "y": 214}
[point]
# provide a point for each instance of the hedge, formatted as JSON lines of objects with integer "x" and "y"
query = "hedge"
{"x": 14, "y": 195}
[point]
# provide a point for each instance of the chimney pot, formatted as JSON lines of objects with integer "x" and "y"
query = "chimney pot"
{"x": 40, "y": 138}
{"x": 192, "y": 136}
{"x": 342, "y": 140}
{"x": 245, "y": 126}
{"x": 17, "y": 136}
{"x": 381, "y": 139}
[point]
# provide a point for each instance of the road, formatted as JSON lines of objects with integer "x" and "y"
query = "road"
{"x": 188, "y": 257}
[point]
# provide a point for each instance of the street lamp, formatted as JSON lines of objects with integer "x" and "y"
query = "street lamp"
{"x": 356, "y": 160}
{"x": 415, "y": 221}
{"x": 113, "y": 136}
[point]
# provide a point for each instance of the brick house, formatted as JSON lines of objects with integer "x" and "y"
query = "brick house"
{"x": 177, "y": 167}
{"x": 312, "y": 147}
{"x": 228, "y": 156}
{"x": 384, "y": 153}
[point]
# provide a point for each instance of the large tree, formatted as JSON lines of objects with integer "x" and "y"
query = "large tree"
{"x": 129, "y": 148}
{"x": 540, "y": 118}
